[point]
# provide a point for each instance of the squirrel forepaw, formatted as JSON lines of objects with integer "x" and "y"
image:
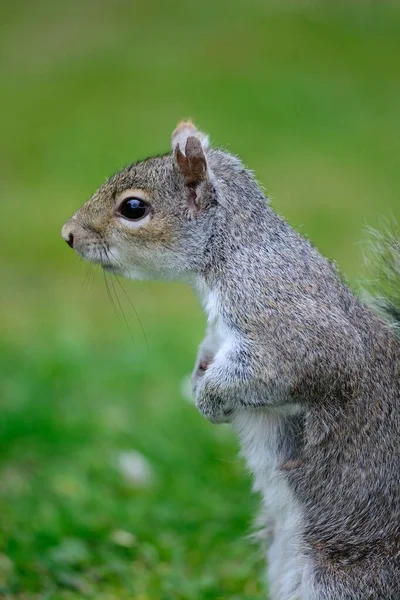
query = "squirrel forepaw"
{"x": 213, "y": 407}
{"x": 215, "y": 416}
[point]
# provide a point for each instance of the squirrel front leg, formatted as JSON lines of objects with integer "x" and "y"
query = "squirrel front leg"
{"x": 207, "y": 351}
{"x": 210, "y": 398}
{"x": 298, "y": 365}
{"x": 229, "y": 382}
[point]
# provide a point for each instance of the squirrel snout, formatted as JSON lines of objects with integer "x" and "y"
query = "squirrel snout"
{"x": 67, "y": 235}
{"x": 70, "y": 240}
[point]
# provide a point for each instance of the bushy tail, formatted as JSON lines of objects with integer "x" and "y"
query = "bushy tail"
{"x": 385, "y": 271}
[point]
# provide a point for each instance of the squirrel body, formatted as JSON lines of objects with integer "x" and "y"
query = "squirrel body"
{"x": 306, "y": 374}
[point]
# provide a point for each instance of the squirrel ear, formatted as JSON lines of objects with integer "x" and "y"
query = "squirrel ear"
{"x": 183, "y": 131}
{"x": 188, "y": 145}
{"x": 192, "y": 164}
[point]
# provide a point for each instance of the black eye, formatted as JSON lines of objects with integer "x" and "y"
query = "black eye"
{"x": 133, "y": 209}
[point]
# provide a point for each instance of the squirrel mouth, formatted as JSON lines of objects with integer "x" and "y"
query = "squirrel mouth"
{"x": 108, "y": 260}
{"x": 99, "y": 259}
{"x": 109, "y": 267}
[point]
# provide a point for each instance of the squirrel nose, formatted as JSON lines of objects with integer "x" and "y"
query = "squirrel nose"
{"x": 70, "y": 240}
{"x": 67, "y": 234}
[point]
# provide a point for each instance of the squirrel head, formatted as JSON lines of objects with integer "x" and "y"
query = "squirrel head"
{"x": 154, "y": 218}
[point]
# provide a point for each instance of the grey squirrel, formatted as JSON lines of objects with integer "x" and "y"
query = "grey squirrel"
{"x": 307, "y": 375}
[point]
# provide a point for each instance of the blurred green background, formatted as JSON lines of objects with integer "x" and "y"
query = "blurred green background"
{"x": 111, "y": 485}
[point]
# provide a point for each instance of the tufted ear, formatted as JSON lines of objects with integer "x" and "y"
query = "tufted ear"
{"x": 183, "y": 131}
{"x": 189, "y": 145}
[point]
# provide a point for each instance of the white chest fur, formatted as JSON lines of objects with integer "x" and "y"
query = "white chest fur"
{"x": 260, "y": 432}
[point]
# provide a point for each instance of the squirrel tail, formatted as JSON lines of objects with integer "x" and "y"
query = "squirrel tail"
{"x": 386, "y": 275}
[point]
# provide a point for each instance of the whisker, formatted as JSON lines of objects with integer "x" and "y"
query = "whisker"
{"x": 121, "y": 309}
{"x": 87, "y": 283}
{"x": 111, "y": 298}
{"x": 94, "y": 268}
{"x": 109, "y": 252}
{"x": 134, "y": 310}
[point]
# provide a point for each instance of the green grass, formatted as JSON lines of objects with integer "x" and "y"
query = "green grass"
{"x": 71, "y": 412}
{"x": 308, "y": 94}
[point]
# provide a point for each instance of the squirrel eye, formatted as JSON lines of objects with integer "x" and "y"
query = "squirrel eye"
{"x": 133, "y": 209}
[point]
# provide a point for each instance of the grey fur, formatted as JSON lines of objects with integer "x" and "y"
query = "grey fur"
{"x": 306, "y": 354}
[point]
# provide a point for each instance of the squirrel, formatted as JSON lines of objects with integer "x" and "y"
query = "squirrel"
{"x": 304, "y": 371}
